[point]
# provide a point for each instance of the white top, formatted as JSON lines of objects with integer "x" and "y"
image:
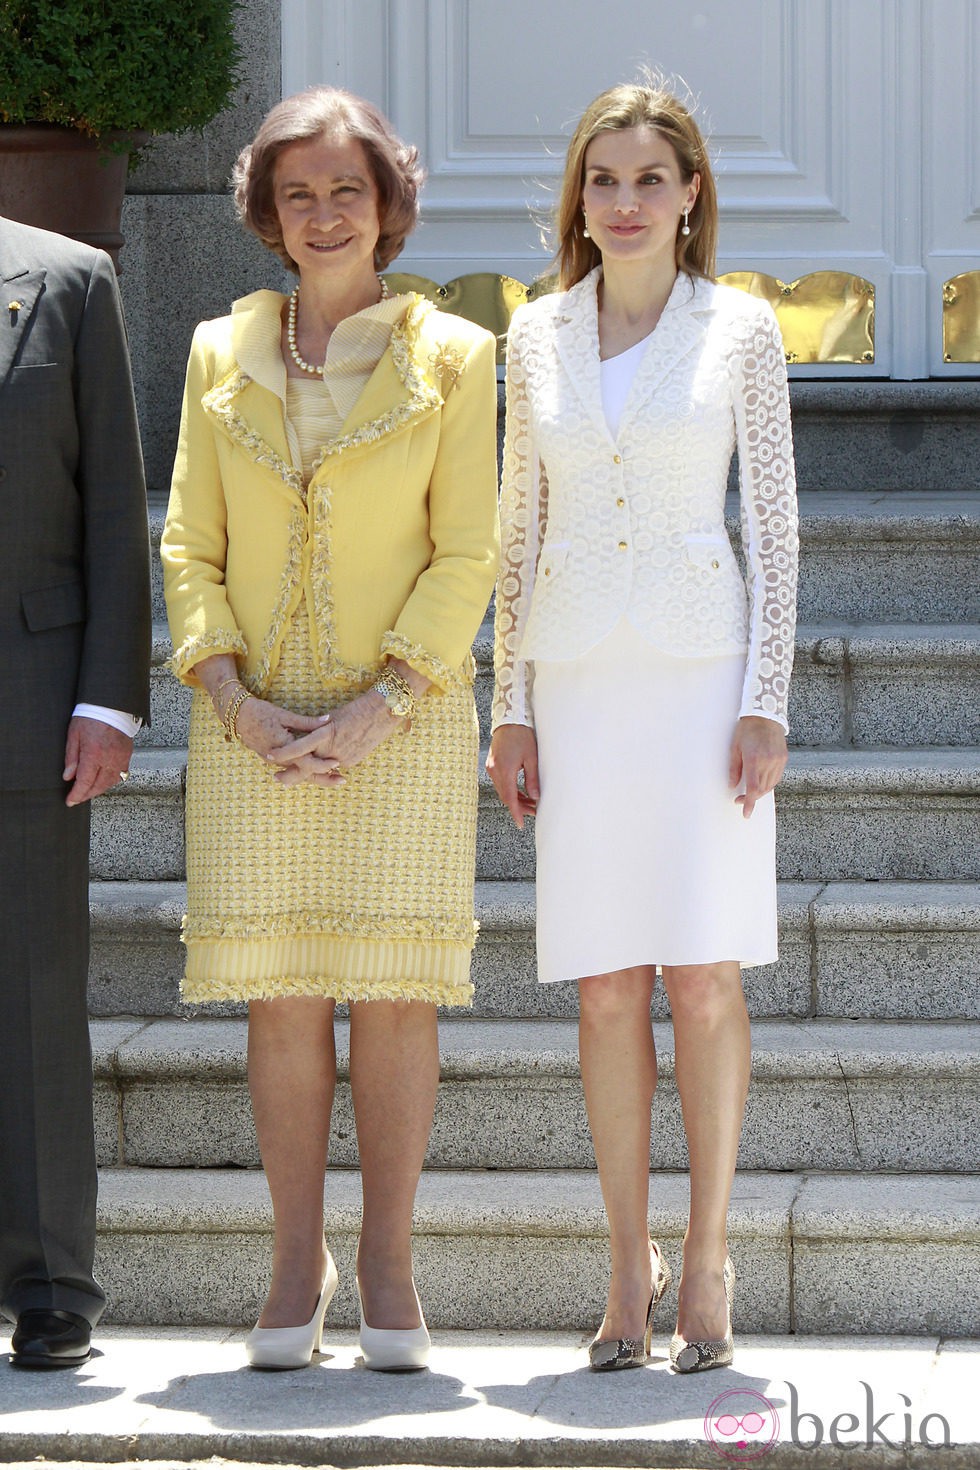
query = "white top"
{"x": 616, "y": 375}
{"x": 595, "y": 528}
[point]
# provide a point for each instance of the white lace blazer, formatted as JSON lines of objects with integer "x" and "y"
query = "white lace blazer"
{"x": 595, "y": 528}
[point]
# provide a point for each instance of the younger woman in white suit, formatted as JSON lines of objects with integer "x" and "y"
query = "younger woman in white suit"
{"x": 640, "y": 707}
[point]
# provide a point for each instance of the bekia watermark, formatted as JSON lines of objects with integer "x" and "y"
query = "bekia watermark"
{"x": 932, "y": 1431}
{"x": 743, "y": 1425}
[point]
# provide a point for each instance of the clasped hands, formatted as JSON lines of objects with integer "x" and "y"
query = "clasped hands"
{"x": 315, "y": 748}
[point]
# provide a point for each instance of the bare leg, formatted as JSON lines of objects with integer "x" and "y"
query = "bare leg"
{"x": 712, "y": 1048}
{"x": 394, "y": 1073}
{"x": 619, "y": 1073}
{"x": 292, "y": 1067}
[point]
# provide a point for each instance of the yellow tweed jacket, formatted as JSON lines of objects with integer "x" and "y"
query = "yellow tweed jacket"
{"x": 395, "y": 540}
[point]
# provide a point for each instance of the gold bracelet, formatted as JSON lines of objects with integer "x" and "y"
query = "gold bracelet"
{"x": 231, "y": 714}
{"x": 240, "y": 702}
{"x": 397, "y": 694}
{"x": 216, "y": 696}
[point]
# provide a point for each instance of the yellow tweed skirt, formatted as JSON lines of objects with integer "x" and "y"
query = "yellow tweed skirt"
{"x": 364, "y": 892}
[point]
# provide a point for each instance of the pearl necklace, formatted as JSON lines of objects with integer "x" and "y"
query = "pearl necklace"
{"x": 291, "y": 319}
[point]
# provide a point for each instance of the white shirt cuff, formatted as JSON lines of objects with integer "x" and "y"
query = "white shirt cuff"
{"x": 117, "y": 718}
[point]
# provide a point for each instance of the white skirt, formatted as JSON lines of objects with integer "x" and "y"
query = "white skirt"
{"x": 643, "y": 856}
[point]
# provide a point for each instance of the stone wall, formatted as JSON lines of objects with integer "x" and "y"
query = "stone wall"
{"x": 186, "y": 257}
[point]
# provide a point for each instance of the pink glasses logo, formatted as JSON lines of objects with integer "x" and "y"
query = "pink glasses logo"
{"x": 741, "y": 1425}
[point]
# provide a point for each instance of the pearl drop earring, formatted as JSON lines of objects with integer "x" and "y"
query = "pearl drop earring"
{"x": 685, "y": 227}
{"x": 585, "y": 226}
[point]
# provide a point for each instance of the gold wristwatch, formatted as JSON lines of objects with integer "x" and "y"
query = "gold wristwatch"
{"x": 396, "y": 693}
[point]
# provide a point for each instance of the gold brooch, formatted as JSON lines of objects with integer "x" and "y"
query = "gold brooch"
{"x": 448, "y": 362}
{"x": 14, "y": 307}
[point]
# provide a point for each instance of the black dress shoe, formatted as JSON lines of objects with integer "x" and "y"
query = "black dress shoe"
{"x": 44, "y": 1339}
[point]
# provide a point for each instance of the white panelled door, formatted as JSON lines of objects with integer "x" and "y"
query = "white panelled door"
{"x": 845, "y": 132}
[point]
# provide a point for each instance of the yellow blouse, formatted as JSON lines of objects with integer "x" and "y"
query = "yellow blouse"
{"x": 311, "y": 419}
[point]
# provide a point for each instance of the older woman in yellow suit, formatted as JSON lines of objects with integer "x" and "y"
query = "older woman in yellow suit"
{"x": 330, "y": 548}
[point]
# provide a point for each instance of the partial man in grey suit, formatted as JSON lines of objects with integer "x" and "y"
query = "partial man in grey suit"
{"x": 74, "y": 685}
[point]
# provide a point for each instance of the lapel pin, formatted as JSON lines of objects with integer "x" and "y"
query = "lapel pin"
{"x": 448, "y": 363}
{"x": 14, "y": 307}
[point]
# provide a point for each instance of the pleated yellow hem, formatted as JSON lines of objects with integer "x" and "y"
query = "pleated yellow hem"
{"x": 322, "y": 965}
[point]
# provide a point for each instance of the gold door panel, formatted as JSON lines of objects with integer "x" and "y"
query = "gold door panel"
{"x": 828, "y": 316}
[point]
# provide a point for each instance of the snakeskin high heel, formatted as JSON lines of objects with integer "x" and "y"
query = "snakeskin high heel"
{"x": 717, "y": 1352}
{"x": 608, "y": 1354}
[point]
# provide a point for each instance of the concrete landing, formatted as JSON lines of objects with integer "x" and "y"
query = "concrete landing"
{"x": 498, "y": 1399}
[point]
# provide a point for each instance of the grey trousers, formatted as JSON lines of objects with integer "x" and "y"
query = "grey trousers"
{"x": 48, "y": 1181}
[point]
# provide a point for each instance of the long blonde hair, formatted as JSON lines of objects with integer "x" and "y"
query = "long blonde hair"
{"x": 636, "y": 105}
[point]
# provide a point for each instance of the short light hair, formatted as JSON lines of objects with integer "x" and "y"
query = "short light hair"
{"x": 635, "y": 105}
{"x": 394, "y": 166}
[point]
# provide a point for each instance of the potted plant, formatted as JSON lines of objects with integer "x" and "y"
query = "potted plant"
{"x": 84, "y": 83}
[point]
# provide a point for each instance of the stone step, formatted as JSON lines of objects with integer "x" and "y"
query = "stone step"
{"x": 864, "y": 950}
{"x": 160, "y": 1397}
{"x": 871, "y": 814}
{"x": 853, "y": 685}
{"x": 885, "y": 814}
{"x": 889, "y": 557}
{"x": 869, "y": 1096}
{"x": 886, "y": 685}
{"x": 170, "y": 701}
{"x": 912, "y": 436}
{"x": 138, "y": 826}
{"x": 156, "y": 512}
{"x": 878, "y": 556}
{"x": 816, "y": 1253}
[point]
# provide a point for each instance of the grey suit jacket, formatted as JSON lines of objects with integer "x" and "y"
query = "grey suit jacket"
{"x": 74, "y": 563}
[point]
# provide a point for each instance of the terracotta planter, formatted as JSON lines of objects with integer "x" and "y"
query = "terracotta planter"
{"x": 61, "y": 180}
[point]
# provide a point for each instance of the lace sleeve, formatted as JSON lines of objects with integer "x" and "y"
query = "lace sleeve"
{"x": 523, "y": 515}
{"x": 767, "y": 484}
